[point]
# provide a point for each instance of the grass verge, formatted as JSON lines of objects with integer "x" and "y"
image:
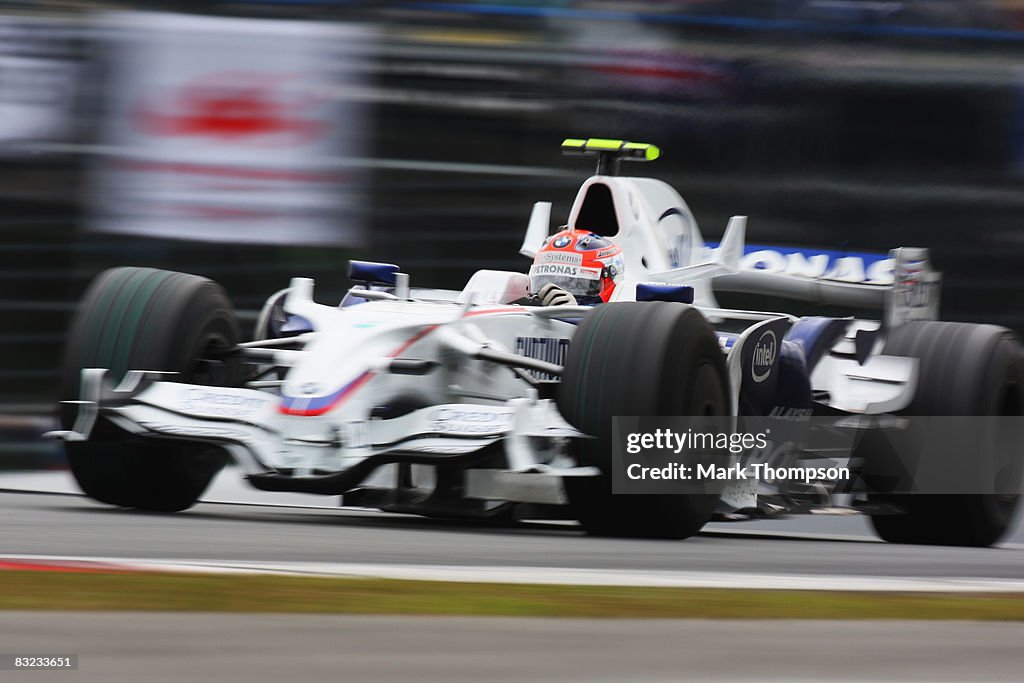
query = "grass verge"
{"x": 246, "y": 593}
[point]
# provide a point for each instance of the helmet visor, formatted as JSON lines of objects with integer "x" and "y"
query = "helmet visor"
{"x": 583, "y": 283}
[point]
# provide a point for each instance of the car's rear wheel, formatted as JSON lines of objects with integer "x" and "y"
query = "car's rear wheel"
{"x": 146, "y": 319}
{"x": 964, "y": 370}
{"x": 639, "y": 359}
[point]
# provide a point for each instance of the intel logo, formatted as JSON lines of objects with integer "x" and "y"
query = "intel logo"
{"x": 764, "y": 356}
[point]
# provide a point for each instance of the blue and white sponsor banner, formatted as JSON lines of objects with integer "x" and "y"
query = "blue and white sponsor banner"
{"x": 233, "y": 130}
{"x": 826, "y": 264}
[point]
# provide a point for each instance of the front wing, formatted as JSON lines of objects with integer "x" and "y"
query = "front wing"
{"x": 250, "y": 425}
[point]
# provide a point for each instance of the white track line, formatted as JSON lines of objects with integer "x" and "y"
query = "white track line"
{"x": 539, "y": 575}
{"x": 783, "y": 534}
{"x": 787, "y": 535}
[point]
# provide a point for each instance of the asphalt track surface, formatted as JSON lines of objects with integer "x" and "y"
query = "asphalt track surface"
{"x": 145, "y": 647}
{"x": 68, "y": 525}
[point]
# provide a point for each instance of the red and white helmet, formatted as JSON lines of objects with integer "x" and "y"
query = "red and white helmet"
{"x": 581, "y": 262}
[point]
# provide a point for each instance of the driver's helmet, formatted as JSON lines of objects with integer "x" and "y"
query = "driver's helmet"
{"x": 581, "y": 262}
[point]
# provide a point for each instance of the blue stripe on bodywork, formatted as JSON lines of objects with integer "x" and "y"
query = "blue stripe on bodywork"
{"x": 318, "y": 403}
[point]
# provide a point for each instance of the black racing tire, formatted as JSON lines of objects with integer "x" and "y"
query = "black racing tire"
{"x": 146, "y": 319}
{"x": 964, "y": 370}
{"x": 644, "y": 359}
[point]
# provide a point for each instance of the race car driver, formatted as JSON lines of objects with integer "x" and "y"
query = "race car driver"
{"x": 575, "y": 267}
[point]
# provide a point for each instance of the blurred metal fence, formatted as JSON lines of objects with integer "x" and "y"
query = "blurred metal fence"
{"x": 865, "y": 144}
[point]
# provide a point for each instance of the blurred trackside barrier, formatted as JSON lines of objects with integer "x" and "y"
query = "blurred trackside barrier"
{"x": 983, "y": 21}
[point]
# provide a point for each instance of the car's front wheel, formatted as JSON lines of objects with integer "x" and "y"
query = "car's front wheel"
{"x": 146, "y": 319}
{"x": 639, "y": 359}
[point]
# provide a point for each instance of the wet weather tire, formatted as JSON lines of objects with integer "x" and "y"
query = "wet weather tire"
{"x": 964, "y": 370}
{"x": 644, "y": 359}
{"x": 146, "y": 319}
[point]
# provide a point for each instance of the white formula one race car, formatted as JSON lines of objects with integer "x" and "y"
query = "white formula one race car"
{"x": 473, "y": 404}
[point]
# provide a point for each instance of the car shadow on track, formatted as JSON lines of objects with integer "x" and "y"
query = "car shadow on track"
{"x": 373, "y": 519}
{"x": 370, "y": 519}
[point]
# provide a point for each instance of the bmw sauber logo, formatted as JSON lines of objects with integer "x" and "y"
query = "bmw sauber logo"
{"x": 309, "y": 388}
{"x": 764, "y": 356}
{"x": 562, "y": 241}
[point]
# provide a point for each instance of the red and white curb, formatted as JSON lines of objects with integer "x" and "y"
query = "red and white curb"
{"x": 518, "y": 575}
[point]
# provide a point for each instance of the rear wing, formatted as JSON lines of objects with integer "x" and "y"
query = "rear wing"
{"x": 901, "y": 282}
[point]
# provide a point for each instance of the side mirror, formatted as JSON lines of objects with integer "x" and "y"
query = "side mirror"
{"x": 651, "y": 291}
{"x": 370, "y": 272}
